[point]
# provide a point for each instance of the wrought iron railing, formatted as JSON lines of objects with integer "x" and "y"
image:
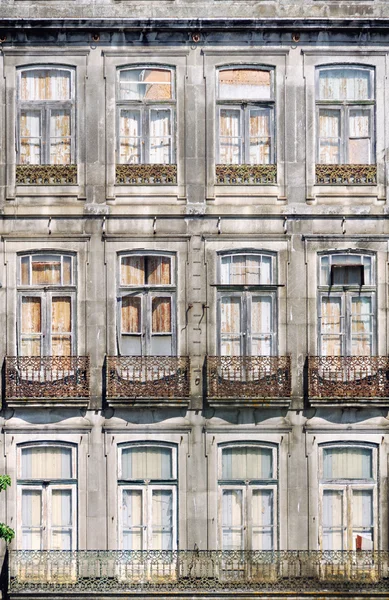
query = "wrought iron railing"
{"x": 98, "y": 571}
{"x": 46, "y": 174}
{"x": 346, "y": 174}
{"x": 246, "y": 174}
{"x": 248, "y": 377}
{"x": 348, "y": 377}
{"x": 54, "y": 377}
{"x": 147, "y": 377}
{"x": 146, "y": 174}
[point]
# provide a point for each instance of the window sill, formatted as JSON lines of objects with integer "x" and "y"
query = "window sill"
{"x": 351, "y": 175}
{"x": 146, "y": 174}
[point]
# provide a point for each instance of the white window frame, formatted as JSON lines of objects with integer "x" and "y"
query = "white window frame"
{"x": 347, "y": 486}
{"x": 145, "y": 107}
{"x": 247, "y": 487}
{"x": 244, "y": 105}
{"x": 46, "y": 487}
{"x": 345, "y": 107}
{"x": 45, "y": 107}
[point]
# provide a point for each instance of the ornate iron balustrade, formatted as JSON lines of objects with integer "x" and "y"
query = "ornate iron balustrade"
{"x": 246, "y": 174}
{"x": 346, "y": 174}
{"x": 233, "y": 379}
{"x": 148, "y": 378}
{"x": 146, "y": 174}
{"x": 164, "y": 572}
{"x": 345, "y": 378}
{"x": 47, "y": 377}
{"x": 46, "y": 174}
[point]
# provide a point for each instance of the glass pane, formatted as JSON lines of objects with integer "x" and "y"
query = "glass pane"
{"x": 160, "y": 151}
{"x": 261, "y": 325}
{"x": 161, "y": 315}
{"x": 45, "y": 84}
{"x": 260, "y": 136}
{"x": 245, "y": 84}
{"x": 361, "y": 326}
{"x": 342, "y": 83}
{"x": 329, "y": 134}
{"x": 230, "y": 325}
{"x": 61, "y": 322}
{"x": 331, "y": 326}
{"x": 132, "y": 519}
{"x": 247, "y": 462}
{"x": 158, "y": 270}
{"x": 147, "y": 462}
{"x": 30, "y": 140}
{"x": 246, "y": 269}
{"x": 61, "y": 520}
{"x": 132, "y": 270}
{"x": 325, "y": 278}
{"x": 60, "y": 146}
{"x": 31, "y": 326}
{"x": 25, "y": 270}
{"x": 32, "y": 519}
{"x": 232, "y": 519}
{"x": 67, "y": 270}
{"x": 347, "y": 463}
{"x": 363, "y": 519}
{"x": 146, "y": 84}
{"x": 162, "y": 519}
{"x": 131, "y": 314}
{"x": 130, "y": 137}
{"x": 46, "y": 270}
{"x": 359, "y": 144}
{"x": 333, "y": 529}
{"x": 230, "y": 137}
{"x": 262, "y": 519}
{"x": 46, "y": 462}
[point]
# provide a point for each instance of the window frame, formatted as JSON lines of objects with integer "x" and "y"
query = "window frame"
{"x": 347, "y": 293}
{"x": 146, "y": 292}
{"x": 345, "y": 107}
{"x": 244, "y": 106}
{"x": 247, "y": 487}
{"x": 45, "y": 107}
{"x": 347, "y": 487}
{"x": 47, "y": 293}
{"x": 46, "y": 486}
{"x": 147, "y": 487}
{"x": 145, "y": 107}
{"x": 247, "y": 292}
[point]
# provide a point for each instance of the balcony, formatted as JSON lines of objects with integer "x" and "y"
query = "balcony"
{"x": 155, "y": 380}
{"x": 346, "y": 174}
{"x": 46, "y": 174}
{"x": 348, "y": 380}
{"x": 246, "y": 174}
{"x": 47, "y": 380}
{"x": 164, "y": 573}
{"x": 248, "y": 380}
{"x": 146, "y": 174}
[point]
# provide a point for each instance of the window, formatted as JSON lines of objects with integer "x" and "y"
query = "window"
{"x": 245, "y": 107}
{"x": 347, "y": 297}
{"x": 46, "y": 116}
{"x": 147, "y": 305}
{"x": 248, "y": 498}
{"x": 349, "y": 497}
{"x": 47, "y": 502}
{"x": 247, "y": 305}
{"x": 148, "y": 497}
{"x": 345, "y": 115}
{"x": 46, "y": 297}
{"x": 146, "y": 115}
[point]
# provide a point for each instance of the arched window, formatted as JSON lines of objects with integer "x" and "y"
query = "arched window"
{"x": 146, "y": 115}
{"x": 46, "y": 116}
{"x": 245, "y": 107}
{"x": 347, "y": 304}
{"x": 46, "y": 299}
{"x": 345, "y": 100}
{"x": 248, "y": 497}
{"x": 148, "y": 497}
{"x": 146, "y": 323}
{"x": 348, "y": 487}
{"x": 247, "y": 304}
{"x": 47, "y": 501}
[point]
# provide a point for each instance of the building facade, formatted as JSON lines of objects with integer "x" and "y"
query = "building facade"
{"x": 194, "y": 298}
